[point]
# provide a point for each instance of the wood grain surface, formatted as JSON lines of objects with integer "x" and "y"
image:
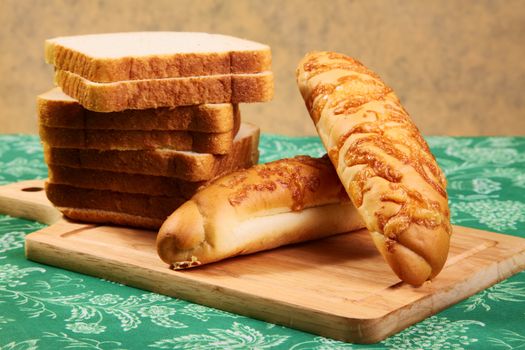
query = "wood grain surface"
{"x": 339, "y": 287}
{"x": 26, "y": 199}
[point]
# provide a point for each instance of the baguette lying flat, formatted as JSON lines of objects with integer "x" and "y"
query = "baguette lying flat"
{"x": 58, "y": 110}
{"x": 153, "y": 55}
{"x": 382, "y": 160}
{"x": 168, "y": 92}
{"x": 263, "y": 207}
{"x": 200, "y": 142}
{"x": 66, "y": 198}
{"x": 187, "y": 166}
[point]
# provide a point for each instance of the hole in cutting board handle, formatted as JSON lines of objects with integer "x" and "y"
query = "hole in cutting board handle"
{"x": 32, "y": 189}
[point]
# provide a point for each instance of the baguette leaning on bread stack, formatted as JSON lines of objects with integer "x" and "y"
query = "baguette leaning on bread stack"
{"x": 382, "y": 160}
{"x": 263, "y": 207}
{"x": 141, "y": 121}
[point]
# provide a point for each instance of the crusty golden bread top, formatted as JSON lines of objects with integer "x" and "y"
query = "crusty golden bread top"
{"x": 295, "y": 181}
{"x": 380, "y": 156}
{"x": 262, "y": 207}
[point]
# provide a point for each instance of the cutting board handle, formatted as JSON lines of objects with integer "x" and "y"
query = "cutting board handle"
{"x": 24, "y": 199}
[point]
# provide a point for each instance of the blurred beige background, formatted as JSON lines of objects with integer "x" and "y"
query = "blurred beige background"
{"x": 458, "y": 66}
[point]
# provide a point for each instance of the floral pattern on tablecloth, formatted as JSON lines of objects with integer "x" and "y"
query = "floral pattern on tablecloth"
{"x": 42, "y": 307}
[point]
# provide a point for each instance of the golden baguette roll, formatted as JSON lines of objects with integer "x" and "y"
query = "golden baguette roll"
{"x": 263, "y": 207}
{"x": 382, "y": 160}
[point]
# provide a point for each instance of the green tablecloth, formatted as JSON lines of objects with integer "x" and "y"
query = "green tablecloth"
{"x": 43, "y": 307}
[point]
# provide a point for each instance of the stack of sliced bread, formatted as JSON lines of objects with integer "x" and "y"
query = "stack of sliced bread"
{"x": 140, "y": 121}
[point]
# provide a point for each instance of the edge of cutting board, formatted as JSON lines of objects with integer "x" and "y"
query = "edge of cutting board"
{"x": 27, "y": 200}
{"x": 490, "y": 258}
{"x": 484, "y": 266}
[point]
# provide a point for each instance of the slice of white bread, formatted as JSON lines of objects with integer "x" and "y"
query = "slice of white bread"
{"x": 111, "y": 217}
{"x": 215, "y": 143}
{"x": 123, "y": 182}
{"x": 167, "y": 92}
{"x": 187, "y": 166}
{"x": 152, "y": 55}
{"x": 58, "y": 110}
{"x": 76, "y": 203}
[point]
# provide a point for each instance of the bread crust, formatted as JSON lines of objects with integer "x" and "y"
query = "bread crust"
{"x": 169, "y": 92}
{"x": 57, "y": 110}
{"x": 214, "y": 143}
{"x": 236, "y": 56}
{"x": 382, "y": 160}
{"x": 111, "y": 217}
{"x": 186, "y": 166}
{"x": 158, "y": 207}
{"x": 123, "y": 182}
{"x": 263, "y": 207}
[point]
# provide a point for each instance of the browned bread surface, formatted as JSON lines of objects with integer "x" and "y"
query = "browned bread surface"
{"x": 158, "y": 207}
{"x": 168, "y": 92}
{"x": 152, "y": 55}
{"x": 58, "y": 110}
{"x": 215, "y": 143}
{"x": 382, "y": 160}
{"x": 123, "y": 182}
{"x": 187, "y": 166}
{"x": 263, "y": 207}
{"x": 111, "y": 217}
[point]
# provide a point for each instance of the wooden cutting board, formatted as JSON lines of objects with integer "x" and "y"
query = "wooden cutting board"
{"x": 338, "y": 287}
